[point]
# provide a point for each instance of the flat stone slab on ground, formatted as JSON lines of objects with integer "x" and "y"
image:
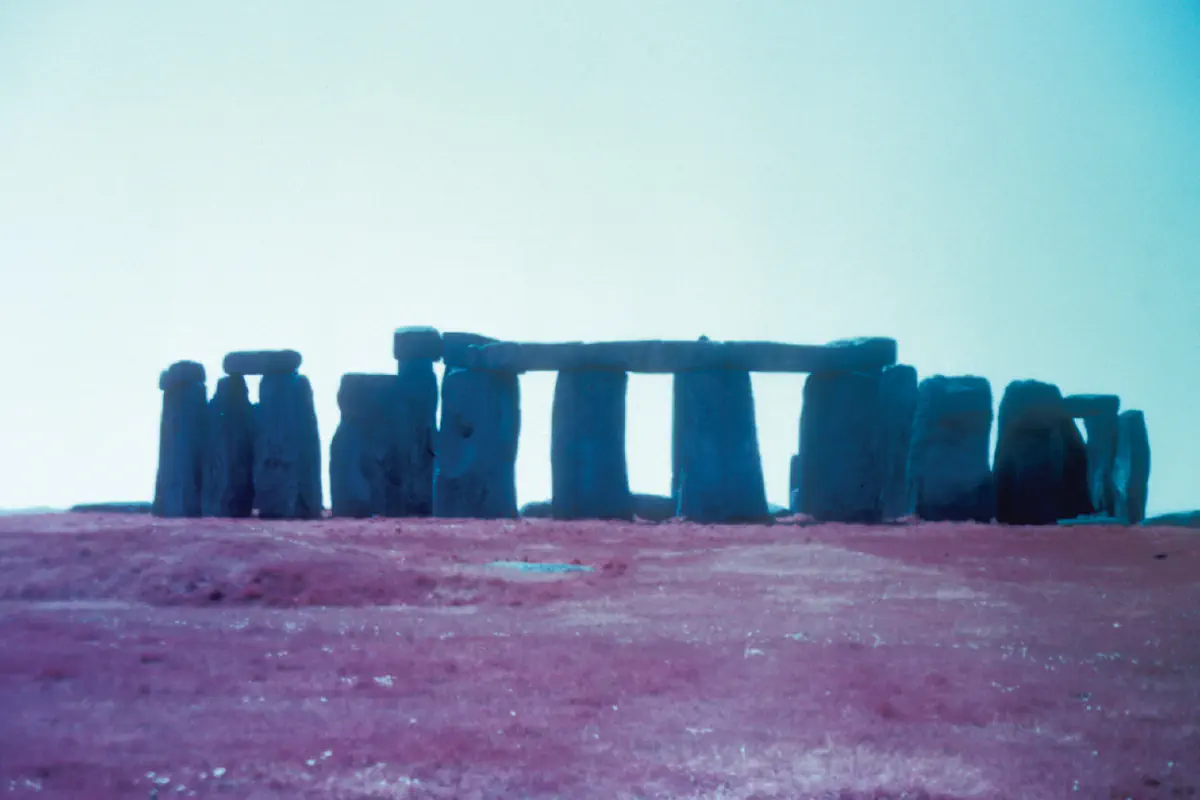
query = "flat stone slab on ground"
{"x": 118, "y": 507}
{"x": 262, "y": 362}
{"x": 681, "y": 356}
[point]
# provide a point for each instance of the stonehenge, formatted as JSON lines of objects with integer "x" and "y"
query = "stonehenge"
{"x": 947, "y": 473}
{"x": 874, "y": 442}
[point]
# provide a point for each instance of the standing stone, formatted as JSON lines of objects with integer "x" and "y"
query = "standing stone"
{"x": 1131, "y": 468}
{"x": 1101, "y": 427}
{"x": 898, "y": 390}
{"x": 587, "y": 452}
{"x": 1041, "y": 459}
{"x": 181, "y": 441}
{"x": 410, "y": 491}
{"x": 720, "y": 469}
{"x": 949, "y": 478}
{"x": 287, "y": 449}
{"x": 475, "y": 466}
{"x": 363, "y": 450}
{"x": 229, "y": 456}
{"x": 842, "y": 459}
{"x": 794, "y": 484}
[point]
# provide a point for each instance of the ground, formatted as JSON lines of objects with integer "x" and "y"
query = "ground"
{"x": 147, "y": 658}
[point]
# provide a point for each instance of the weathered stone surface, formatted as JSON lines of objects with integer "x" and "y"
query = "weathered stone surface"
{"x": 587, "y": 450}
{"x": 417, "y": 342}
{"x": 287, "y": 449}
{"x": 1101, "y": 451}
{"x": 1131, "y": 468}
{"x": 1041, "y": 460}
{"x": 654, "y": 507}
{"x": 841, "y": 447}
{"x": 682, "y": 356}
{"x": 475, "y": 466}
{"x": 949, "y": 478}
{"x": 456, "y": 348}
{"x": 364, "y": 446}
{"x": 134, "y": 507}
{"x": 794, "y": 494}
{"x": 536, "y": 509}
{"x": 228, "y": 489}
{"x": 181, "y": 441}
{"x": 898, "y": 390}
{"x": 1178, "y": 519}
{"x": 720, "y": 469}
{"x": 262, "y": 362}
{"x": 1091, "y": 405}
{"x": 181, "y": 372}
{"x": 413, "y": 492}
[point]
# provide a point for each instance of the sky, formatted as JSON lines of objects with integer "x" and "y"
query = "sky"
{"x": 1009, "y": 188}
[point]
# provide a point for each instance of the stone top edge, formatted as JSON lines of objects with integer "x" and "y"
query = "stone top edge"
{"x": 667, "y": 356}
{"x": 261, "y": 362}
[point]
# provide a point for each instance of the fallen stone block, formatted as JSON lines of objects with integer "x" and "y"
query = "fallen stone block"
{"x": 654, "y": 507}
{"x": 1089, "y": 519}
{"x": 228, "y": 489}
{"x": 537, "y": 509}
{"x": 287, "y": 449}
{"x": 720, "y": 469}
{"x": 181, "y": 441}
{"x": 841, "y": 447}
{"x": 1131, "y": 467}
{"x": 262, "y": 362}
{"x": 417, "y": 343}
{"x": 948, "y": 474}
{"x": 181, "y": 373}
{"x": 475, "y": 465}
{"x": 898, "y": 388}
{"x": 682, "y": 356}
{"x": 1083, "y": 406}
{"x": 587, "y": 451}
{"x": 112, "y": 508}
{"x": 1041, "y": 460}
{"x": 1178, "y": 519}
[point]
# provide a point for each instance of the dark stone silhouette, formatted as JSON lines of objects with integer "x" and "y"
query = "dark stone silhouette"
{"x": 1041, "y": 461}
{"x": 587, "y": 452}
{"x": 720, "y": 469}
{"x": 287, "y": 449}
{"x": 456, "y": 349}
{"x": 262, "y": 362}
{"x": 1101, "y": 452}
{"x": 794, "y": 470}
{"x": 1131, "y": 468}
{"x": 364, "y": 449}
{"x": 417, "y": 343}
{"x": 181, "y": 440}
{"x": 412, "y": 493}
{"x": 1082, "y": 406}
{"x": 475, "y": 465}
{"x": 228, "y": 489}
{"x": 135, "y": 507}
{"x": 949, "y": 478}
{"x": 842, "y": 454}
{"x": 899, "y": 403}
{"x": 677, "y": 356}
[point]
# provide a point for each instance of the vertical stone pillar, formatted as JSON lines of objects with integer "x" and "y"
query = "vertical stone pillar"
{"x": 1041, "y": 461}
{"x": 794, "y": 484}
{"x": 1101, "y": 452}
{"x": 229, "y": 457}
{"x": 181, "y": 441}
{"x": 364, "y": 446}
{"x": 416, "y": 349}
{"x": 287, "y": 449}
{"x": 842, "y": 447}
{"x": 1131, "y": 468}
{"x": 475, "y": 466}
{"x": 720, "y": 477}
{"x": 898, "y": 389}
{"x": 949, "y": 477}
{"x": 587, "y": 453}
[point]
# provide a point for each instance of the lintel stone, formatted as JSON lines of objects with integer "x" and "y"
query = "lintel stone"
{"x": 262, "y": 362}
{"x": 417, "y": 342}
{"x": 1091, "y": 405}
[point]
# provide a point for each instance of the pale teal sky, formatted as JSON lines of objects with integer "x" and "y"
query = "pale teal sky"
{"x": 1009, "y": 188}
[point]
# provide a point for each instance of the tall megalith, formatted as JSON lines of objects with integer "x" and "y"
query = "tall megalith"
{"x": 949, "y": 477}
{"x": 587, "y": 453}
{"x": 476, "y": 448}
{"x": 720, "y": 476}
{"x": 229, "y": 455}
{"x": 287, "y": 449}
{"x": 842, "y": 447}
{"x": 898, "y": 398}
{"x": 1041, "y": 460}
{"x": 1099, "y": 414}
{"x": 1131, "y": 467}
{"x": 363, "y": 452}
{"x": 181, "y": 441}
